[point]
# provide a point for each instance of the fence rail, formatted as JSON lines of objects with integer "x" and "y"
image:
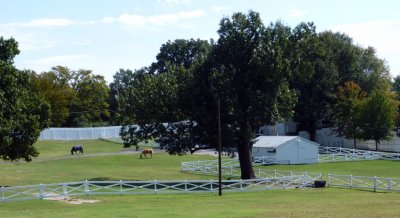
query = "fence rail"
{"x": 335, "y": 154}
{"x": 80, "y": 133}
{"x": 64, "y": 190}
{"x": 364, "y": 182}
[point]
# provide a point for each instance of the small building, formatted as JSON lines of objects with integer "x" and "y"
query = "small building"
{"x": 285, "y": 128}
{"x": 285, "y": 150}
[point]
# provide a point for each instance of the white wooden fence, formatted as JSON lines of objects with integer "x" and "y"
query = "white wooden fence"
{"x": 80, "y": 133}
{"x": 64, "y": 190}
{"x": 364, "y": 182}
{"x": 210, "y": 167}
{"x": 265, "y": 160}
{"x": 336, "y": 154}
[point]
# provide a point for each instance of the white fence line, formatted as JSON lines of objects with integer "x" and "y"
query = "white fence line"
{"x": 364, "y": 182}
{"x": 64, "y": 190}
{"x": 231, "y": 169}
{"x": 329, "y": 154}
{"x": 264, "y": 160}
{"x": 80, "y": 133}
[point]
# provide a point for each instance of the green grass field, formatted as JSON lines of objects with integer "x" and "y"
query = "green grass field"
{"x": 55, "y": 164}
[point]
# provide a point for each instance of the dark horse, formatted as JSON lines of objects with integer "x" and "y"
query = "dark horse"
{"x": 76, "y": 149}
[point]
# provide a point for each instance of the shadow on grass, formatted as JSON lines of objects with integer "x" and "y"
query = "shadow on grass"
{"x": 99, "y": 179}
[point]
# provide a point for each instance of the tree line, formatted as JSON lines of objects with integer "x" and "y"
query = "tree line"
{"x": 260, "y": 74}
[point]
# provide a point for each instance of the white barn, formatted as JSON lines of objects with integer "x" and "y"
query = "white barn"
{"x": 286, "y": 149}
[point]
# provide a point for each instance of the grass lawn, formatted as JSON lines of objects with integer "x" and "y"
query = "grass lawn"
{"x": 380, "y": 168}
{"x": 55, "y": 164}
{"x": 286, "y": 203}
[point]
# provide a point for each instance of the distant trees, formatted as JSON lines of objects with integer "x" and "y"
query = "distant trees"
{"x": 358, "y": 116}
{"x": 321, "y": 63}
{"x": 90, "y": 107}
{"x": 77, "y": 98}
{"x": 347, "y": 111}
{"x": 378, "y": 117}
{"x": 23, "y": 113}
{"x": 54, "y": 87}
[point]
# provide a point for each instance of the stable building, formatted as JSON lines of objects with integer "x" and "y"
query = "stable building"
{"x": 285, "y": 150}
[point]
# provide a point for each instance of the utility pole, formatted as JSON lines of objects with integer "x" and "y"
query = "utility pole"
{"x": 219, "y": 149}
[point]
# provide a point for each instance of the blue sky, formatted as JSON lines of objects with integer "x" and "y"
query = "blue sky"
{"x": 106, "y": 35}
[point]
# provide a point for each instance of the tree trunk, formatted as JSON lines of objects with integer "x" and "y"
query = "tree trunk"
{"x": 246, "y": 163}
{"x": 244, "y": 150}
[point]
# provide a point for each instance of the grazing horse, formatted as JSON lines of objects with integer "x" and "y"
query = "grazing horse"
{"x": 76, "y": 149}
{"x": 147, "y": 151}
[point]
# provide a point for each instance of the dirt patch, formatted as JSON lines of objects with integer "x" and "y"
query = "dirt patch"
{"x": 70, "y": 200}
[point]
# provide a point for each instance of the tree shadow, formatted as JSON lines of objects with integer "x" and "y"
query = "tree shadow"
{"x": 99, "y": 179}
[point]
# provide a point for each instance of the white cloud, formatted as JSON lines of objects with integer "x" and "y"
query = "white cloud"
{"x": 296, "y": 13}
{"x": 44, "y": 22}
{"x": 73, "y": 61}
{"x": 125, "y": 19}
{"x": 132, "y": 19}
{"x": 159, "y": 20}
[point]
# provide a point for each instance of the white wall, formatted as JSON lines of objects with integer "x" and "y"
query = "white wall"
{"x": 279, "y": 129}
{"x": 295, "y": 152}
{"x": 326, "y": 137}
{"x": 80, "y": 133}
{"x": 291, "y": 153}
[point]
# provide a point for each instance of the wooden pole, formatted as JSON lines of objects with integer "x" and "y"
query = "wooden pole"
{"x": 219, "y": 149}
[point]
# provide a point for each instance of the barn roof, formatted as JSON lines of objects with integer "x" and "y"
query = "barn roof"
{"x": 275, "y": 141}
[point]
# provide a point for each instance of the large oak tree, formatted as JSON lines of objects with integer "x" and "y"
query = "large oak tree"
{"x": 246, "y": 70}
{"x": 23, "y": 114}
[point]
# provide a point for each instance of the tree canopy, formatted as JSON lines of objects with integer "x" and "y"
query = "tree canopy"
{"x": 260, "y": 74}
{"x": 347, "y": 111}
{"x": 246, "y": 69}
{"x": 378, "y": 117}
{"x": 23, "y": 114}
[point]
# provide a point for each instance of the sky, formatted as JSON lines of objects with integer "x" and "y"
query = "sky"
{"x": 107, "y": 35}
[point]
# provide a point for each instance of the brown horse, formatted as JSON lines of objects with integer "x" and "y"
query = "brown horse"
{"x": 147, "y": 151}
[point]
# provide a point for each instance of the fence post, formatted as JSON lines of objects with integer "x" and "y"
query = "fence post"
{"x": 390, "y": 184}
{"x": 65, "y": 190}
{"x": 274, "y": 173}
{"x": 211, "y": 185}
{"x": 186, "y": 186}
{"x": 2, "y": 191}
{"x": 241, "y": 185}
{"x": 155, "y": 186}
{"x": 259, "y": 173}
{"x": 120, "y": 186}
{"x": 86, "y": 187}
{"x": 375, "y": 183}
{"x": 41, "y": 191}
{"x": 305, "y": 177}
{"x": 351, "y": 181}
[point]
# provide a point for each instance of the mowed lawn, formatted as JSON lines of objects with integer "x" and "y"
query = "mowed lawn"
{"x": 327, "y": 202}
{"x": 101, "y": 160}
{"x": 105, "y": 162}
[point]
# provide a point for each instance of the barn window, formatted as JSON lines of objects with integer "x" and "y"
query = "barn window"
{"x": 271, "y": 151}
